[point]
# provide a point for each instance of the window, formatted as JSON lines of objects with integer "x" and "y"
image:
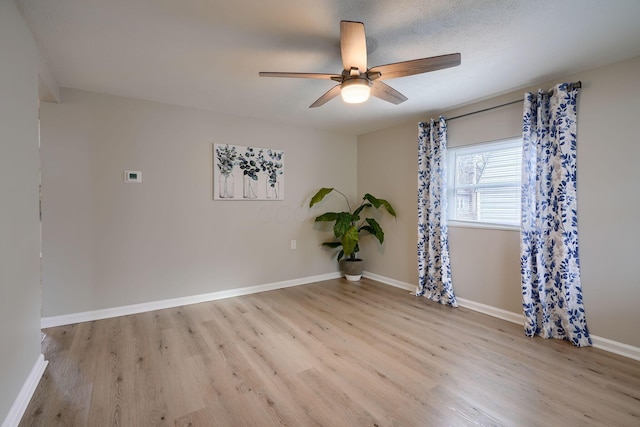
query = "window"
{"x": 484, "y": 183}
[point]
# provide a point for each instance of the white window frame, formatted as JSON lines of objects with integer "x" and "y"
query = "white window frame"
{"x": 451, "y": 182}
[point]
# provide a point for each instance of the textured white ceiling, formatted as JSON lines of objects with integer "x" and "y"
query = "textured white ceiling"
{"x": 207, "y": 53}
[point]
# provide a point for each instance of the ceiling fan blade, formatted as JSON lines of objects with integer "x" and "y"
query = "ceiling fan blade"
{"x": 353, "y": 46}
{"x": 416, "y": 66}
{"x": 328, "y": 96}
{"x": 387, "y": 93}
{"x": 301, "y": 75}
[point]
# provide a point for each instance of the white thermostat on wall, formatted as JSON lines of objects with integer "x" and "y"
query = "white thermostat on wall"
{"x": 132, "y": 176}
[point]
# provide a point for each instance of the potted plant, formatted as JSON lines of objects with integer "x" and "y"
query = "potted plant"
{"x": 347, "y": 229}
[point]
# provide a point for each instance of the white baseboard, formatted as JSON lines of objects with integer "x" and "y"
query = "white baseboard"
{"x": 616, "y": 347}
{"x": 509, "y": 316}
{"x": 605, "y": 344}
{"x": 388, "y": 281}
{"x": 87, "y": 316}
{"x": 26, "y": 392}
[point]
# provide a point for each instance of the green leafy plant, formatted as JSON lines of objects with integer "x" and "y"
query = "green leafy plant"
{"x": 348, "y": 225}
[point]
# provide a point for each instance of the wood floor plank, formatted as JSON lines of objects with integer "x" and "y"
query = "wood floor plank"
{"x": 333, "y": 353}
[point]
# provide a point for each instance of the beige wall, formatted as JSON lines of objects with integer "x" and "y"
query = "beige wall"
{"x": 19, "y": 224}
{"x": 485, "y": 263}
{"x": 609, "y": 199}
{"x": 385, "y": 172}
{"x": 109, "y": 244}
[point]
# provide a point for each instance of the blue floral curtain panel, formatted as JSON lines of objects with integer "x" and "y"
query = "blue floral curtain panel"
{"x": 434, "y": 269}
{"x": 550, "y": 267}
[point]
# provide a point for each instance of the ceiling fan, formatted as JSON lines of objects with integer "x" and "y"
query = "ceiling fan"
{"x": 357, "y": 81}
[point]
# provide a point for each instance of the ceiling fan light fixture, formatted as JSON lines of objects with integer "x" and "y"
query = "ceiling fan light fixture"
{"x": 355, "y": 91}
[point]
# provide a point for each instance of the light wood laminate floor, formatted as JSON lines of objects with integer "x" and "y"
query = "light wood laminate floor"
{"x": 327, "y": 354}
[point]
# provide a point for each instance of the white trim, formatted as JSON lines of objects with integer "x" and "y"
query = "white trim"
{"x": 388, "y": 281}
{"x": 26, "y": 392}
{"x": 456, "y": 223}
{"x": 605, "y": 344}
{"x": 87, "y": 316}
{"x": 616, "y": 347}
{"x": 489, "y": 310}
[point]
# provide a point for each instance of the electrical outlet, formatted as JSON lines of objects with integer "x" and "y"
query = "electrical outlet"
{"x": 293, "y": 244}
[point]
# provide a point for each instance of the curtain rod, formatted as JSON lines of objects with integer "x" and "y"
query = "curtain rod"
{"x": 483, "y": 110}
{"x": 570, "y": 86}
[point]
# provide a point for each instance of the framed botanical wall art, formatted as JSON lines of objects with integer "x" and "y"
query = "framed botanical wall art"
{"x": 247, "y": 173}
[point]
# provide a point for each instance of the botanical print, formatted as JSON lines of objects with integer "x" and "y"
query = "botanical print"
{"x": 550, "y": 266}
{"x": 434, "y": 268}
{"x": 227, "y": 157}
{"x": 249, "y": 166}
{"x": 247, "y": 173}
{"x": 272, "y": 166}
